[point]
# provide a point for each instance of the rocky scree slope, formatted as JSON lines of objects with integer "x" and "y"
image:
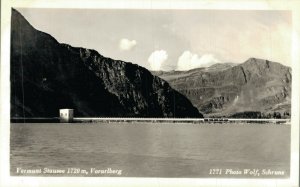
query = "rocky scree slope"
{"x": 255, "y": 85}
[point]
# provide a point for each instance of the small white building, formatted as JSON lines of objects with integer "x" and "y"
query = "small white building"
{"x": 66, "y": 115}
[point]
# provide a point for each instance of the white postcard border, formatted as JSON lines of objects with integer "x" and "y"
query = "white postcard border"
{"x": 7, "y": 180}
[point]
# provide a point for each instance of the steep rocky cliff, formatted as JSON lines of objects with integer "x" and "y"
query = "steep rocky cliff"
{"x": 223, "y": 90}
{"x": 47, "y": 76}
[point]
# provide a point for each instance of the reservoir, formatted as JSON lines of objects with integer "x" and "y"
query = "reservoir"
{"x": 150, "y": 150}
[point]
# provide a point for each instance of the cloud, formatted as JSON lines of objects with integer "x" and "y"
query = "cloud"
{"x": 157, "y": 58}
{"x": 126, "y": 45}
{"x": 189, "y": 61}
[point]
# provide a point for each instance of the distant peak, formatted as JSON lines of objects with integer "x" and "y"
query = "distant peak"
{"x": 261, "y": 62}
{"x": 252, "y": 59}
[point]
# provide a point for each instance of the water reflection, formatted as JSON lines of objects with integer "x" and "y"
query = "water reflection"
{"x": 164, "y": 150}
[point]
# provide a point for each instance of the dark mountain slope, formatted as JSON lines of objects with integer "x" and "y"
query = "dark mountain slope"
{"x": 47, "y": 76}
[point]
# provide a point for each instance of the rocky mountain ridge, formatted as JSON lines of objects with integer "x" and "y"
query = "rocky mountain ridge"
{"x": 47, "y": 75}
{"x": 256, "y": 85}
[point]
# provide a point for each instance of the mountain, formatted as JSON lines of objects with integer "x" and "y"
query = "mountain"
{"x": 47, "y": 75}
{"x": 220, "y": 66}
{"x": 225, "y": 90}
{"x": 175, "y": 74}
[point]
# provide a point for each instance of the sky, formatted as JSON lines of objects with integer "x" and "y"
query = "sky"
{"x": 171, "y": 39}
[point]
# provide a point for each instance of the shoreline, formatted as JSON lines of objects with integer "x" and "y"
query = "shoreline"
{"x": 152, "y": 120}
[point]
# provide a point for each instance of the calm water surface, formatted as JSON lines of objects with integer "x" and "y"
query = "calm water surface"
{"x": 147, "y": 150}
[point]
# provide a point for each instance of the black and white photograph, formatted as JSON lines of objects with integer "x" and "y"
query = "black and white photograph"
{"x": 155, "y": 93}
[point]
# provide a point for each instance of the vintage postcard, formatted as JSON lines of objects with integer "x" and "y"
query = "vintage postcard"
{"x": 199, "y": 93}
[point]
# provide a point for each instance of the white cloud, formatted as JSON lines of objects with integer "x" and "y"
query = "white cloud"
{"x": 157, "y": 58}
{"x": 126, "y": 45}
{"x": 189, "y": 61}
